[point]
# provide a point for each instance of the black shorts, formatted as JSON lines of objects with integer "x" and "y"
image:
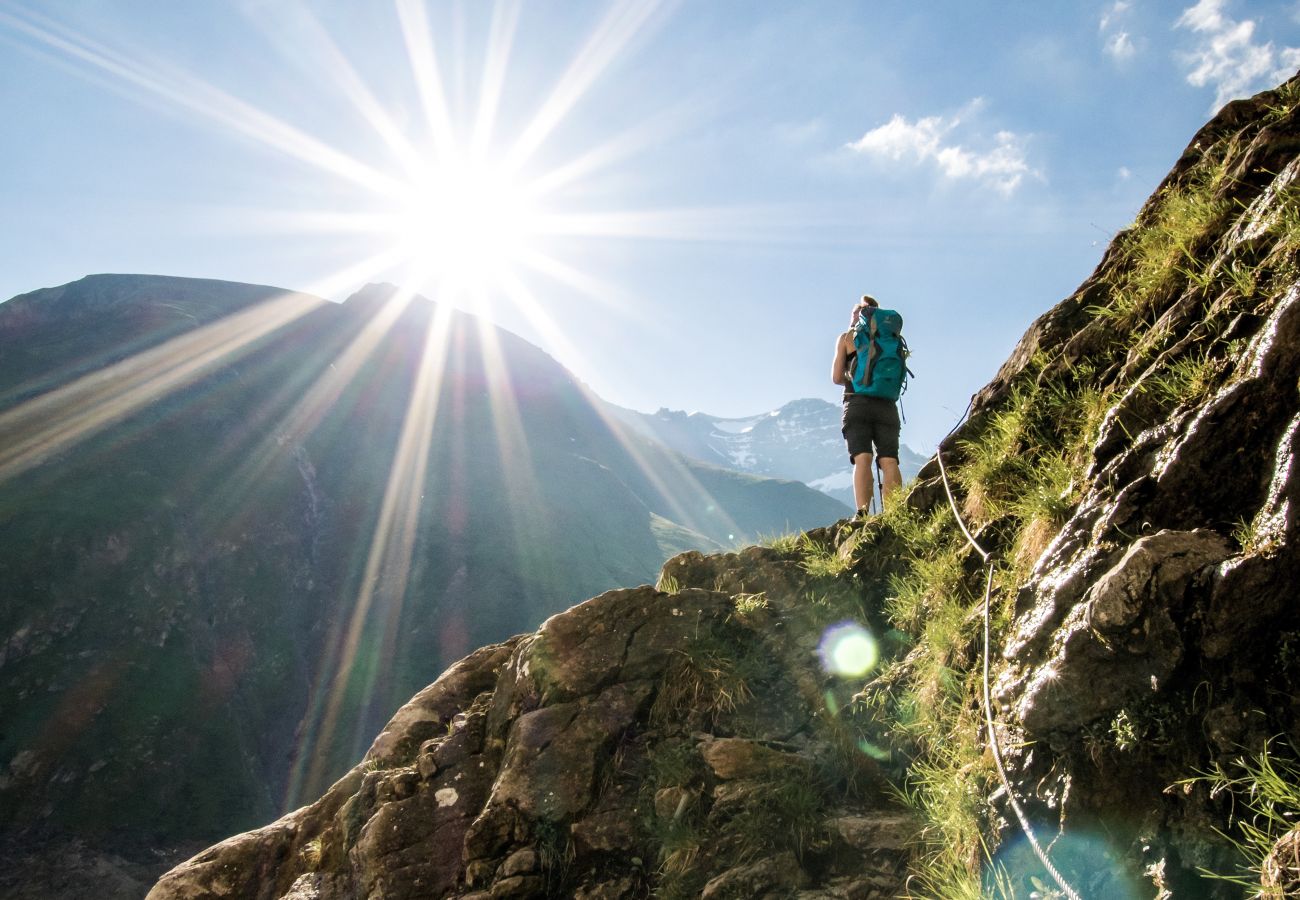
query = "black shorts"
{"x": 868, "y": 421}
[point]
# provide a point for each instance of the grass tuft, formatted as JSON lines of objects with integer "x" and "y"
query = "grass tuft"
{"x": 1265, "y": 790}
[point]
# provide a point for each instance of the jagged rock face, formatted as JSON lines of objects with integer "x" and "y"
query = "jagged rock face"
{"x": 562, "y": 763}
{"x": 1155, "y": 636}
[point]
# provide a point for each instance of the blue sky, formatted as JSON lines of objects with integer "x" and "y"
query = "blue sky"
{"x": 731, "y": 175}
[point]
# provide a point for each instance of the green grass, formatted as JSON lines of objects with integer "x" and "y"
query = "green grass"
{"x": 823, "y": 560}
{"x": 1256, "y": 540}
{"x": 783, "y": 543}
{"x": 1049, "y": 496}
{"x": 1185, "y": 380}
{"x": 1285, "y": 227}
{"x": 1243, "y": 278}
{"x": 714, "y": 673}
{"x": 1265, "y": 791}
{"x": 674, "y": 763}
{"x": 948, "y": 789}
{"x": 748, "y": 604}
{"x": 994, "y": 459}
{"x": 928, "y": 583}
{"x": 1285, "y": 100}
{"x": 786, "y": 812}
{"x": 1166, "y": 250}
{"x": 667, "y": 584}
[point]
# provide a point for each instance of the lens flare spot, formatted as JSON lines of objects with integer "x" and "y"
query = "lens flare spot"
{"x": 848, "y": 650}
{"x": 1084, "y": 858}
{"x": 880, "y": 754}
{"x": 832, "y": 705}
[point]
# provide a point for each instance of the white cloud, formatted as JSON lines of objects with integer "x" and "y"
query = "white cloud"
{"x": 1118, "y": 41}
{"x": 1120, "y": 46}
{"x": 1125, "y": 173}
{"x": 1002, "y": 164}
{"x": 1207, "y": 15}
{"x": 1227, "y": 56}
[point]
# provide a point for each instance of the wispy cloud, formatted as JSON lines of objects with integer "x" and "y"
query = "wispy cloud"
{"x": 1120, "y": 46}
{"x": 1000, "y": 162}
{"x": 1228, "y": 57}
{"x": 1118, "y": 41}
{"x": 1114, "y": 13}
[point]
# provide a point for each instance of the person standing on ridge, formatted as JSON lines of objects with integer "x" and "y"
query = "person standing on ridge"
{"x": 869, "y": 420}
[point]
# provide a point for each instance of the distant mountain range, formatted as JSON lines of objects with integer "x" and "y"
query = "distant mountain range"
{"x": 242, "y": 525}
{"x": 800, "y": 440}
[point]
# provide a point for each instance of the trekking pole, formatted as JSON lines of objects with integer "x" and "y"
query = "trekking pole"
{"x": 880, "y": 482}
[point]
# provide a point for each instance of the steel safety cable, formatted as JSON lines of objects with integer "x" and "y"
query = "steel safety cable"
{"x": 1021, "y": 818}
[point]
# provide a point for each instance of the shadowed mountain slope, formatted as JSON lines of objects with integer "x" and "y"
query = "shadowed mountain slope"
{"x": 1130, "y": 483}
{"x": 241, "y": 526}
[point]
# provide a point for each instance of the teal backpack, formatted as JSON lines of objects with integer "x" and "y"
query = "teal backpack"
{"x": 880, "y": 362}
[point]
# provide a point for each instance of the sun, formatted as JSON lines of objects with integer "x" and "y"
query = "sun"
{"x": 447, "y": 199}
{"x": 464, "y": 222}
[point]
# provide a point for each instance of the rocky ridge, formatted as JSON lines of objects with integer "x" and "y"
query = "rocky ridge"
{"x": 667, "y": 740}
{"x": 1132, "y": 471}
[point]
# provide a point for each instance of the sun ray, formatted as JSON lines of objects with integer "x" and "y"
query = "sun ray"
{"x": 322, "y": 397}
{"x": 514, "y": 452}
{"x": 383, "y": 583}
{"x": 347, "y": 278}
{"x": 58, "y": 419}
{"x": 523, "y": 300}
{"x": 625, "y": 22}
{"x": 624, "y": 145}
{"x": 63, "y": 417}
{"x": 298, "y": 31}
{"x": 516, "y": 456}
{"x": 602, "y": 292}
{"x": 306, "y": 221}
{"x": 418, "y": 38}
{"x": 505, "y": 20}
{"x": 209, "y": 102}
{"x": 553, "y": 336}
{"x": 682, "y": 512}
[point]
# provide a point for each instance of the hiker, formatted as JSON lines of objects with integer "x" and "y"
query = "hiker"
{"x": 869, "y": 421}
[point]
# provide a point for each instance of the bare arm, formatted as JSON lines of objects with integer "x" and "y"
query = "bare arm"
{"x": 842, "y": 350}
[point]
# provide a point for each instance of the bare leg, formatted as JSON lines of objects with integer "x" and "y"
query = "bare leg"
{"x": 890, "y": 477}
{"x": 862, "y": 483}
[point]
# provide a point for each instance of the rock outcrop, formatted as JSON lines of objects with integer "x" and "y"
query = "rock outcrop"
{"x": 1132, "y": 472}
{"x": 641, "y": 739}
